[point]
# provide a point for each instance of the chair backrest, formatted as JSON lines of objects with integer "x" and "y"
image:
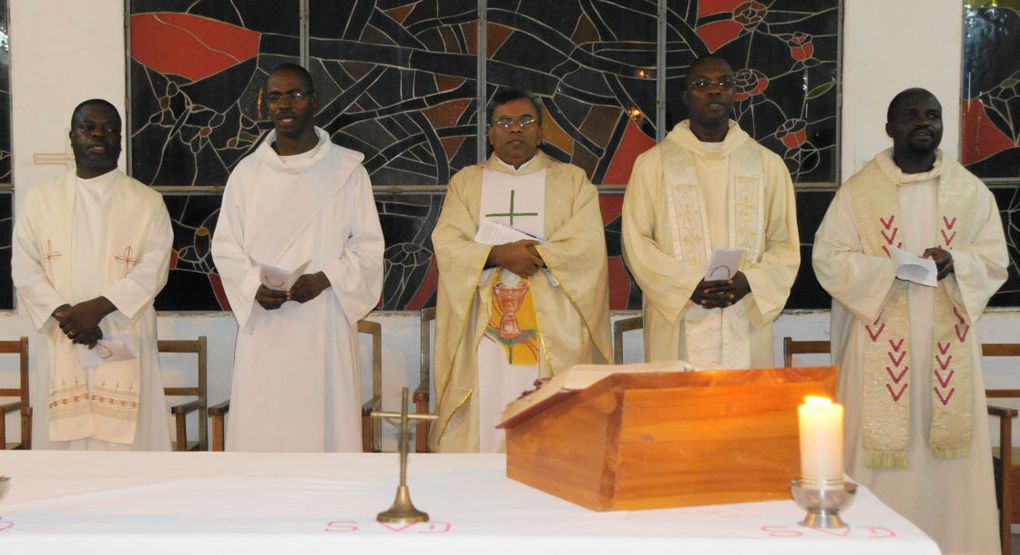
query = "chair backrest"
{"x": 197, "y": 347}
{"x": 19, "y": 347}
{"x": 1001, "y": 350}
{"x": 620, "y": 327}
{"x": 810, "y": 347}
{"x": 428, "y": 315}
{"x": 374, "y": 329}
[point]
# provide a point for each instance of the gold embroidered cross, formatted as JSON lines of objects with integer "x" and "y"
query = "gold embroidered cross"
{"x": 50, "y": 256}
{"x": 511, "y": 213}
{"x": 126, "y": 260}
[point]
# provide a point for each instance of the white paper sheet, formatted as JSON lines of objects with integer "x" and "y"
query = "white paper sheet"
{"x": 495, "y": 233}
{"x": 279, "y": 279}
{"x": 724, "y": 264}
{"x": 921, "y": 271}
{"x": 113, "y": 349}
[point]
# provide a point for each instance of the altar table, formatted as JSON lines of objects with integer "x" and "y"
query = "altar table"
{"x": 225, "y": 503}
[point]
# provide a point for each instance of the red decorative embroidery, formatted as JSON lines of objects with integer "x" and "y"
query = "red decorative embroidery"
{"x": 892, "y": 218}
{"x": 890, "y": 238}
{"x": 894, "y": 376}
{"x": 896, "y": 361}
{"x": 959, "y": 316}
{"x": 945, "y": 382}
{"x": 945, "y": 400}
{"x": 896, "y": 346}
{"x": 949, "y": 238}
{"x": 874, "y": 334}
{"x": 944, "y": 347}
{"x": 950, "y": 224}
{"x": 962, "y": 335}
{"x": 943, "y": 364}
{"x": 896, "y": 396}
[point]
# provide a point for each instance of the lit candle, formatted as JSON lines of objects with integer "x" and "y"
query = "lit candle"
{"x": 821, "y": 440}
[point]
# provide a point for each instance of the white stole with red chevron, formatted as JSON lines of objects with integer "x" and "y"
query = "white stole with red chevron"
{"x": 887, "y": 375}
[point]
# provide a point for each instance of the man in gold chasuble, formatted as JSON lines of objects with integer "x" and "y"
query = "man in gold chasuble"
{"x": 523, "y": 288}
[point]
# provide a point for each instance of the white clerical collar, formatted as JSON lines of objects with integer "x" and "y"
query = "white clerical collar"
{"x": 513, "y": 169}
{"x": 100, "y": 181}
{"x": 291, "y": 159}
{"x": 894, "y": 173}
{"x": 712, "y": 146}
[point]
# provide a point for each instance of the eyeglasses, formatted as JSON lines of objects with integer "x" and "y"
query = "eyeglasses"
{"x": 524, "y": 122}
{"x": 726, "y": 83}
{"x": 296, "y": 96}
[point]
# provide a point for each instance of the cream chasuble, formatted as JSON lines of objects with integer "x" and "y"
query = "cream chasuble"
{"x": 475, "y": 339}
{"x": 909, "y": 357}
{"x": 77, "y": 240}
{"x": 296, "y": 383}
{"x": 683, "y": 200}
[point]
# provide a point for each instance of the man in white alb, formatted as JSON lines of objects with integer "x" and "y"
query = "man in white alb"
{"x": 91, "y": 250}
{"x": 909, "y": 357}
{"x": 298, "y": 199}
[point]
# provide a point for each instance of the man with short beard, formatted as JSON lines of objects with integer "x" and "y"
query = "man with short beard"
{"x": 709, "y": 185}
{"x": 91, "y": 250}
{"x": 908, "y": 352}
{"x": 298, "y": 199}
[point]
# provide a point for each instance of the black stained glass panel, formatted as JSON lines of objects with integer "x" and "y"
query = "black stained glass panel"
{"x": 785, "y": 55}
{"x": 397, "y": 82}
{"x": 991, "y": 89}
{"x": 197, "y": 74}
{"x": 5, "y": 97}
{"x": 593, "y": 66}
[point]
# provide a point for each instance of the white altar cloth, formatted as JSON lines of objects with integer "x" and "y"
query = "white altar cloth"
{"x": 96, "y": 502}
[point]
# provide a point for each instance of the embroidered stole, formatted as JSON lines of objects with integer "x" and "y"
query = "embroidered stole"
{"x": 110, "y": 411}
{"x": 887, "y": 378}
{"x": 518, "y": 202}
{"x": 717, "y": 336}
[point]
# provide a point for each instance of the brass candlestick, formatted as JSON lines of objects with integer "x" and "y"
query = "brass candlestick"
{"x": 403, "y": 511}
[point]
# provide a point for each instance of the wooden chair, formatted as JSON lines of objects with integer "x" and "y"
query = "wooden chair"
{"x": 621, "y": 327}
{"x": 423, "y": 393}
{"x": 200, "y": 404}
{"x": 371, "y": 428}
{"x": 1007, "y": 476}
{"x": 23, "y": 404}
{"x": 809, "y": 347}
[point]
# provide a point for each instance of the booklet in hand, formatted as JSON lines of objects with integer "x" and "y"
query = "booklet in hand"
{"x": 278, "y": 279}
{"x": 919, "y": 270}
{"x": 725, "y": 264}
{"x": 496, "y": 233}
{"x": 113, "y": 349}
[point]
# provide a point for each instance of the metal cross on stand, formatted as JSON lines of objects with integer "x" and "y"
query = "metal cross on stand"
{"x": 403, "y": 511}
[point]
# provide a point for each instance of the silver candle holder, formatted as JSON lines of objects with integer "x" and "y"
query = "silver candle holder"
{"x": 823, "y": 500}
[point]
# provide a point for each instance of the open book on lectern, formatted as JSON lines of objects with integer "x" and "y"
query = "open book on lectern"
{"x": 578, "y": 377}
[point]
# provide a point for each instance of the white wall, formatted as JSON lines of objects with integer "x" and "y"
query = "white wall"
{"x": 889, "y": 46}
{"x": 64, "y": 51}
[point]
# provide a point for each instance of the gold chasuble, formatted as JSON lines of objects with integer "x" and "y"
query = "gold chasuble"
{"x": 686, "y": 198}
{"x": 497, "y": 332}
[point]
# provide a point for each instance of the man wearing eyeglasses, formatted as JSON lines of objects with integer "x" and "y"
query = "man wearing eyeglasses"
{"x": 522, "y": 278}
{"x": 298, "y": 205}
{"x": 90, "y": 253}
{"x": 710, "y": 186}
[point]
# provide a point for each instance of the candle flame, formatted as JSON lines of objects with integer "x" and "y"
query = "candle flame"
{"x": 815, "y": 401}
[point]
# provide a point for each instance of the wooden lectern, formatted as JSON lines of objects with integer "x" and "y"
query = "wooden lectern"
{"x": 657, "y": 440}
